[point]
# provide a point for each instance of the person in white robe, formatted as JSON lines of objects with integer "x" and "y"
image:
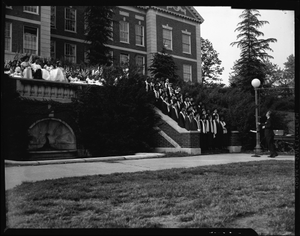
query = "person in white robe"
{"x": 27, "y": 72}
{"x": 45, "y": 74}
{"x": 35, "y": 65}
{"x": 18, "y": 72}
{"x": 56, "y": 74}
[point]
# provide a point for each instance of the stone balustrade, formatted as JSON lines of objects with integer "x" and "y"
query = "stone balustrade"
{"x": 46, "y": 90}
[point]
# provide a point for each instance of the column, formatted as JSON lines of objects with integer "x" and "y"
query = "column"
{"x": 198, "y": 50}
{"x": 45, "y": 31}
{"x": 151, "y": 36}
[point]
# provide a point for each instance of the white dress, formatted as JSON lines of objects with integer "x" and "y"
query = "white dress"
{"x": 45, "y": 74}
{"x": 27, "y": 73}
{"x": 35, "y": 66}
{"x": 57, "y": 75}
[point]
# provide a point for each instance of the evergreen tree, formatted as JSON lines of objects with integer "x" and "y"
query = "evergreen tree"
{"x": 276, "y": 76}
{"x": 211, "y": 64}
{"x": 289, "y": 71}
{"x": 98, "y": 21}
{"x": 273, "y": 76}
{"x": 163, "y": 66}
{"x": 253, "y": 50}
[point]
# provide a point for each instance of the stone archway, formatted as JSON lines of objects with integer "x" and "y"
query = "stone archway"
{"x": 51, "y": 134}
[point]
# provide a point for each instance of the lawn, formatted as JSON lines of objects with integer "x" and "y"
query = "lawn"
{"x": 258, "y": 195}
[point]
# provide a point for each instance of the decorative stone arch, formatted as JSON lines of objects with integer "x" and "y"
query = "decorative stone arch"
{"x": 51, "y": 134}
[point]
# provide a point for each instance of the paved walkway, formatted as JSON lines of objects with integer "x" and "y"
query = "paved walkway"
{"x": 18, "y": 172}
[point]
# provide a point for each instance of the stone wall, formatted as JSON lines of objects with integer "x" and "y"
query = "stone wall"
{"x": 173, "y": 138}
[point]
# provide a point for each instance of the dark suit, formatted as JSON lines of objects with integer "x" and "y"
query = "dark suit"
{"x": 164, "y": 107}
{"x": 219, "y": 135}
{"x": 181, "y": 120}
{"x": 209, "y": 133}
{"x": 203, "y": 135}
{"x": 157, "y": 99}
{"x": 269, "y": 136}
{"x": 38, "y": 74}
{"x": 193, "y": 124}
{"x": 174, "y": 112}
{"x": 187, "y": 123}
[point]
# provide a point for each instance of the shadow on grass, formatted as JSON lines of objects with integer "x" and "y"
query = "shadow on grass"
{"x": 218, "y": 196}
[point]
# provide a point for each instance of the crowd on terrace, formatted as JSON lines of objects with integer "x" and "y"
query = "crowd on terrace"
{"x": 189, "y": 115}
{"x": 34, "y": 67}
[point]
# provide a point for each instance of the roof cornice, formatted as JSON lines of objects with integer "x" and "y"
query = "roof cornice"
{"x": 198, "y": 18}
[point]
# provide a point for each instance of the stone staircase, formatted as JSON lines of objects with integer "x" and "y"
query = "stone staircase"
{"x": 172, "y": 138}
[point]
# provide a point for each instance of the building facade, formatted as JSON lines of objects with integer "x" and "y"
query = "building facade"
{"x": 27, "y": 30}
{"x": 138, "y": 33}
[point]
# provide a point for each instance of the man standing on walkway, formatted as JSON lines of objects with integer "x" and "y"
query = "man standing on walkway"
{"x": 269, "y": 135}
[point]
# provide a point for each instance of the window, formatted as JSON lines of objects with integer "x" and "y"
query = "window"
{"x": 139, "y": 35}
{"x": 86, "y": 53}
{"x": 111, "y": 37}
{"x": 187, "y": 73}
{"x": 8, "y": 36}
{"x": 124, "y": 59}
{"x": 124, "y": 32}
{"x": 70, "y": 52}
{"x": 53, "y": 17}
{"x": 167, "y": 38}
{"x": 85, "y": 23}
{"x": 111, "y": 54}
{"x": 53, "y": 49}
{"x": 70, "y": 19}
{"x": 124, "y": 13}
{"x": 31, "y": 9}
{"x": 30, "y": 40}
{"x": 186, "y": 43}
{"x": 140, "y": 62}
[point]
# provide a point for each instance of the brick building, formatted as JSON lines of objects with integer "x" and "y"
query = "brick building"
{"x": 27, "y": 30}
{"x": 138, "y": 33}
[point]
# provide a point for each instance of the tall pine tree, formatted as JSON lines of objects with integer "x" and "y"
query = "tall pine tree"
{"x": 289, "y": 71}
{"x": 98, "y": 21}
{"x": 253, "y": 50}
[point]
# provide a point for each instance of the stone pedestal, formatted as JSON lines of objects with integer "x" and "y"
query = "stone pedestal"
{"x": 235, "y": 144}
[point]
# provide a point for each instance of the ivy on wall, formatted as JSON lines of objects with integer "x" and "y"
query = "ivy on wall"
{"x": 110, "y": 120}
{"x": 19, "y": 113}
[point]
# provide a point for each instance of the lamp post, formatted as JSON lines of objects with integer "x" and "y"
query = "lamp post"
{"x": 256, "y": 83}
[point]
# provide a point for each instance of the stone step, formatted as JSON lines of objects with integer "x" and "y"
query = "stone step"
{"x": 50, "y": 155}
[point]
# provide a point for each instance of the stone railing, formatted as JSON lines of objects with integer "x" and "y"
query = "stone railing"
{"x": 46, "y": 90}
{"x": 172, "y": 138}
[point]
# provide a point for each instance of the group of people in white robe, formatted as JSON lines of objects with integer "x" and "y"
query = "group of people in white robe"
{"x": 188, "y": 114}
{"x": 34, "y": 70}
{"x": 53, "y": 72}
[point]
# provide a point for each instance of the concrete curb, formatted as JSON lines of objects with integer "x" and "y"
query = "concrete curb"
{"x": 82, "y": 160}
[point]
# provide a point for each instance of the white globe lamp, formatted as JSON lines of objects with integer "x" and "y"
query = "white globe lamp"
{"x": 256, "y": 83}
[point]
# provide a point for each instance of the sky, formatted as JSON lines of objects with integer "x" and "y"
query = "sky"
{"x": 219, "y": 26}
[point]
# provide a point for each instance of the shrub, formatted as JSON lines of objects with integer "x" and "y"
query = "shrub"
{"x": 116, "y": 119}
{"x": 238, "y": 108}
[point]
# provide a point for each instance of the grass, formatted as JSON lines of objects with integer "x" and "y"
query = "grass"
{"x": 258, "y": 195}
{"x": 222, "y": 151}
